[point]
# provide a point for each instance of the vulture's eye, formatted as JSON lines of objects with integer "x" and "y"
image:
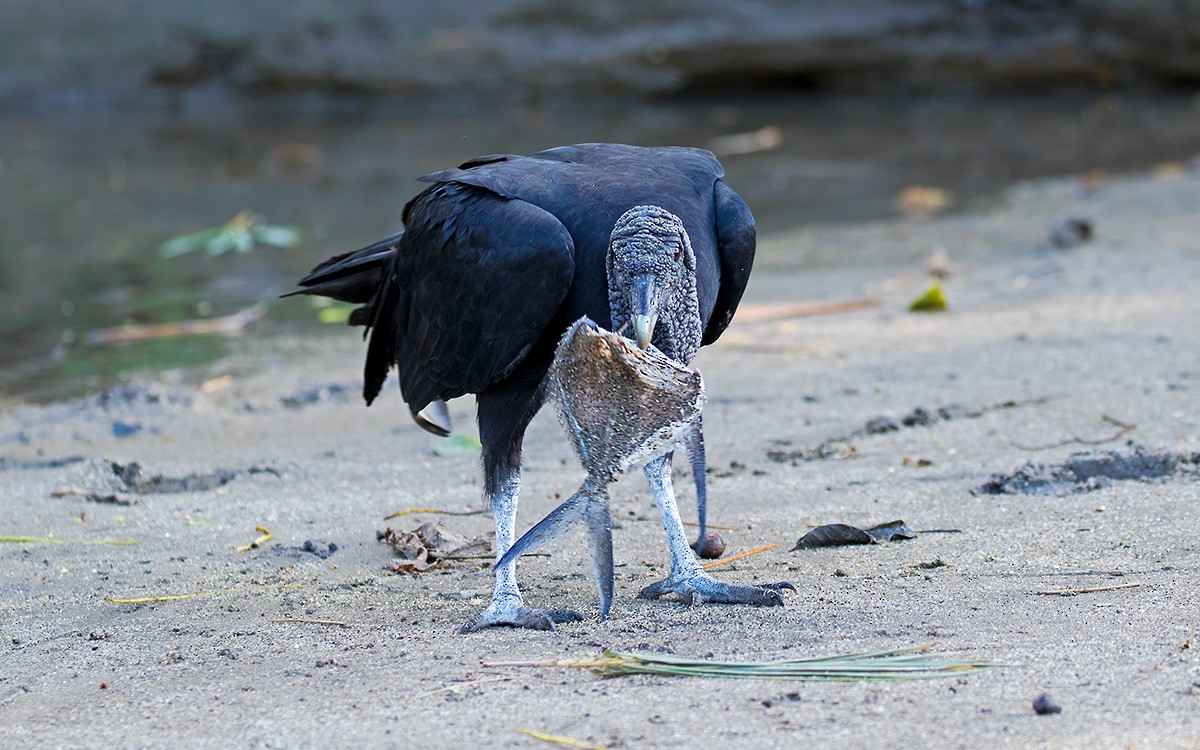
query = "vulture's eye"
{"x": 678, "y": 251}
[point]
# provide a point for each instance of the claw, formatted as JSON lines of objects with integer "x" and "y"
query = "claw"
{"x": 781, "y": 586}
{"x": 695, "y": 588}
{"x": 515, "y": 615}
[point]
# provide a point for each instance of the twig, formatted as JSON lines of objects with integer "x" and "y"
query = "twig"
{"x": 228, "y": 325}
{"x": 565, "y": 741}
{"x": 1091, "y": 590}
{"x": 765, "y": 312}
{"x": 1076, "y": 440}
{"x": 459, "y": 685}
{"x": 266, "y": 537}
{"x": 739, "y": 556}
{"x": 713, "y": 526}
{"x": 51, "y": 540}
{"x": 414, "y": 511}
{"x": 311, "y": 622}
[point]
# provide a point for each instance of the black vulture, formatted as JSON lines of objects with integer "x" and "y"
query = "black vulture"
{"x": 499, "y": 256}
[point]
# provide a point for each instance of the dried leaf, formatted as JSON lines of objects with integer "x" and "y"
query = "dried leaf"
{"x": 429, "y": 544}
{"x": 840, "y": 535}
{"x": 891, "y": 531}
{"x": 921, "y": 202}
{"x": 832, "y": 535}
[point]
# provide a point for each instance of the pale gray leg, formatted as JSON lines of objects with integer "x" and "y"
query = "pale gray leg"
{"x": 590, "y": 505}
{"x": 507, "y": 607}
{"x": 688, "y": 580}
{"x": 693, "y": 447}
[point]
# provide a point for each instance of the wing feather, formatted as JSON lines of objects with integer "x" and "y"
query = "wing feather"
{"x": 475, "y": 282}
{"x": 735, "y": 246}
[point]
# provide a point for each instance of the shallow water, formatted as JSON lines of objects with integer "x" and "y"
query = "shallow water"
{"x": 88, "y": 195}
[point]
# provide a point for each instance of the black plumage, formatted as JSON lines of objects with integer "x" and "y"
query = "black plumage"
{"x": 500, "y": 255}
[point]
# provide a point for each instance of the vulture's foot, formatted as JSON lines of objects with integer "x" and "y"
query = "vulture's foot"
{"x": 513, "y": 613}
{"x": 697, "y": 588}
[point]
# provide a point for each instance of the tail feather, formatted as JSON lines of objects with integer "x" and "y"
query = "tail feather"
{"x": 381, "y": 351}
{"x": 352, "y": 277}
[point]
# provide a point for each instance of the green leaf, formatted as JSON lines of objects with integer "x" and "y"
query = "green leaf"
{"x": 189, "y": 242}
{"x": 334, "y": 314}
{"x": 243, "y": 240}
{"x": 222, "y": 243}
{"x": 456, "y": 444}
{"x": 276, "y": 236}
{"x": 931, "y": 301}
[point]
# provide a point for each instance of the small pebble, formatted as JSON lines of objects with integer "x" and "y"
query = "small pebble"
{"x": 711, "y": 547}
{"x": 1044, "y": 704}
{"x": 880, "y": 425}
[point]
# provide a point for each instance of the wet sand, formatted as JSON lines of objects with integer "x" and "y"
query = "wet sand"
{"x": 1042, "y": 351}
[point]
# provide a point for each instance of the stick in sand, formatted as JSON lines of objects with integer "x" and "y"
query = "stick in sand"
{"x": 1091, "y": 590}
{"x": 739, "y": 556}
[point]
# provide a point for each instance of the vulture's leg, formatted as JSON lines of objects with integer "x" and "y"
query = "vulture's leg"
{"x": 590, "y": 505}
{"x": 688, "y": 580}
{"x": 693, "y": 448}
{"x": 503, "y": 416}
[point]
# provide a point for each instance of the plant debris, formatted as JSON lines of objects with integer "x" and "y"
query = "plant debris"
{"x": 921, "y": 202}
{"x": 739, "y": 556}
{"x": 1125, "y": 429}
{"x": 53, "y": 540}
{"x": 265, "y": 537}
{"x": 1088, "y": 590}
{"x": 555, "y": 739}
{"x": 228, "y": 325}
{"x": 840, "y": 535}
{"x": 911, "y": 663}
{"x": 932, "y": 300}
{"x": 767, "y": 312}
{"x": 431, "y": 543}
{"x": 422, "y": 511}
{"x": 241, "y": 233}
{"x": 1090, "y": 471}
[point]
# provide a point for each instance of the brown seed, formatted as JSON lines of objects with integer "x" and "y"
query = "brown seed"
{"x": 710, "y": 547}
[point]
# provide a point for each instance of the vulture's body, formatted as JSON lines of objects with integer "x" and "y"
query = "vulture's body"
{"x": 499, "y": 256}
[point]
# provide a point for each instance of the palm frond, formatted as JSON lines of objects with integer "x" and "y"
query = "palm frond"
{"x": 912, "y": 663}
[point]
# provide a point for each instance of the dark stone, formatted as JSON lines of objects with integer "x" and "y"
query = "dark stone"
{"x": 1044, "y": 704}
{"x": 880, "y": 425}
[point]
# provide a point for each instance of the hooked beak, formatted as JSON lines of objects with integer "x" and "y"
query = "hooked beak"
{"x": 644, "y": 307}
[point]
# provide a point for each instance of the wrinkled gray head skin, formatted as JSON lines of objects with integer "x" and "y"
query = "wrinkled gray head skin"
{"x": 652, "y": 282}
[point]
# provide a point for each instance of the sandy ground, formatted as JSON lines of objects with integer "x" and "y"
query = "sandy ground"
{"x": 1041, "y": 347}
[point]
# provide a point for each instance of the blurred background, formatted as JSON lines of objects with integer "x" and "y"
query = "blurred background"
{"x": 130, "y": 123}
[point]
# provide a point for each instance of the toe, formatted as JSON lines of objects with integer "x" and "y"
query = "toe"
{"x": 781, "y": 586}
{"x": 563, "y": 615}
{"x": 655, "y": 590}
{"x": 519, "y": 617}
